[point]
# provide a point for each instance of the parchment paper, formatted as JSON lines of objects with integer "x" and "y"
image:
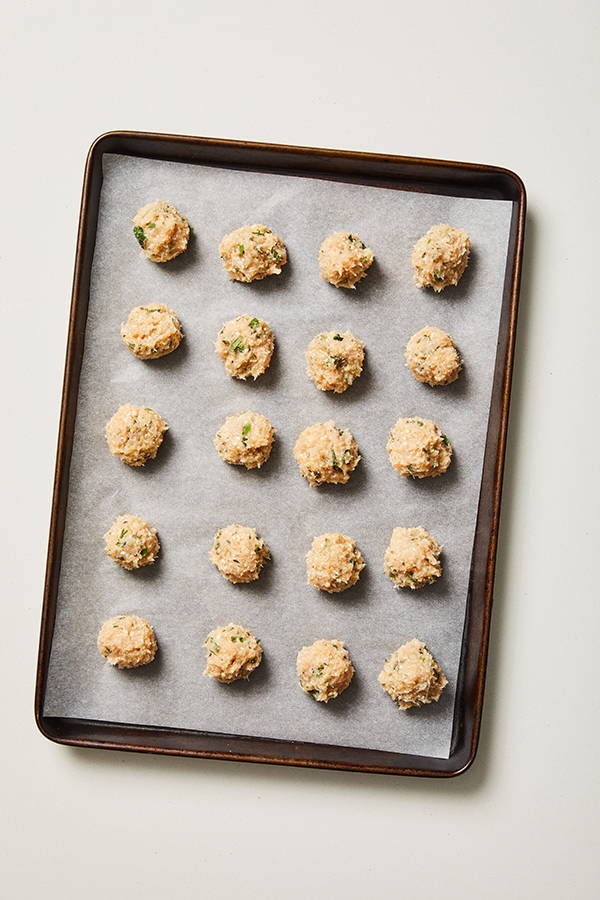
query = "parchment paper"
{"x": 188, "y": 492}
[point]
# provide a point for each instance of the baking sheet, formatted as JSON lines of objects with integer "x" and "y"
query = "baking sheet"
{"x": 188, "y": 492}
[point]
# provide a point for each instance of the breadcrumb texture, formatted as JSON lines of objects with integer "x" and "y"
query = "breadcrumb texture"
{"x": 334, "y": 360}
{"x": 344, "y": 259}
{"x": 324, "y": 669}
{"x": 432, "y": 357}
{"x": 135, "y": 433}
{"x": 333, "y": 563}
{"x": 161, "y": 231}
{"x": 232, "y": 652}
{"x": 411, "y": 676}
{"x": 131, "y": 542}
{"x": 252, "y": 252}
{"x": 239, "y": 553}
{"x": 245, "y": 440}
{"x": 326, "y": 454}
{"x": 440, "y": 257}
{"x": 127, "y": 642}
{"x": 412, "y": 558}
{"x": 151, "y": 331}
{"x": 418, "y": 448}
{"x": 246, "y": 346}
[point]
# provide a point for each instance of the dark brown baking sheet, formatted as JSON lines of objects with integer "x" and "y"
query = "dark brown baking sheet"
{"x": 456, "y": 179}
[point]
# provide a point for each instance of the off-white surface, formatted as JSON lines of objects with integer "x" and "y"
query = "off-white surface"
{"x": 511, "y": 85}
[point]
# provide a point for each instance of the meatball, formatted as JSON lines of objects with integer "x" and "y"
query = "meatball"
{"x": 432, "y": 357}
{"x": 131, "y": 542}
{"x": 411, "y": 676}
{"x": 161, "y": 231}
{"x": 252, "y": 252}
{"x": 239, "y": 553}
{"x": 127, "y": 642}
{"x": 440, "y": 257}
{"x": 344, "y": 259}
{"x": 324, "y": 669}
{"x": 334, "y": 360}
{"x": 412, "y": 558}
{"x": 333, "y": 563}
{"x": 245, "y": 440}
{"x": 326, "y": 454}
{"x": 135, "y": 433}
{"x": 246, "y": 346}
{"x": 417, "y": 447}
{"x": 151, "y": 331}
{"x": 232, "y": 652}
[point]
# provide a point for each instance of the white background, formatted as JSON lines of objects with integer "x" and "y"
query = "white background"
{"x": 513, "y": 84}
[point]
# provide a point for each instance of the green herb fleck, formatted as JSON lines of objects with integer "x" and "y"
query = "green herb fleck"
{"x": 334, "y": 462}
{"x": 151, "y": 225}
{"x": 240, "y": 249}
{"x": 338, "y": 337}
{"x": 144, "y": 552}
{"x": 350, "y": 237}
{"x": 139, "y": 235}
{"x": 257, "y": 232}
{"x": 236, "y": 345}
{"x": 275, "y": 254}
{"x": 254, "y": 323}
{"x": 245, "y": 432}
{"x": 445, "y": 441}
{"x": 346, "y": 457}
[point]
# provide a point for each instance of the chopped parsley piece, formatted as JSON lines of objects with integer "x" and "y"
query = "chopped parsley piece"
{"x": 151, "y": 225}
{"x": 346, "y": 457}
{"x": 139, "y": 235}
{"x": 445, "y": 441}
{"x": 275, "y": 254}
{"x": 245, "y": 432}
{"x": 257, "y": 232}
{"x": 237, "y": 345}
{"x": 240, "y": 249}
{"x": 350, "y": 237}
{"x": 254, "y": 323}
{"x": 338, "y": 337}
{"x": 144, "y": 552}
{"x": 334, "y": 462}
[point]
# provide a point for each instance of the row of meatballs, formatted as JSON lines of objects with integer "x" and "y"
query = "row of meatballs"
{"x": 326, "y": 454}
{"x": 333, "y": 563}
{"x": 253, "y": 252}
{"x": 411, "y": 676}
{"x": 334, "y": 359}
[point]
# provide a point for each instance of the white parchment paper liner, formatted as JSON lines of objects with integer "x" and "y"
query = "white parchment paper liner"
{"x": 187, "y": 492}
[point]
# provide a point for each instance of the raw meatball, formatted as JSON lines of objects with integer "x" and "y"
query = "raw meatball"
{"x": 334, "y": 360}
{"x": 246, "y": 346}
{"x": 161, "y": 231}
{"x": 324, "y": 669}
{"x": 135, "y": 433}
{"x": 151, "y": 331}
{"x": 245, "y": 440}
{"x": 411, "y": 676}
{"x": 232, "y": 652}
{"x": 239, "y": 553}
{"x": 326, "y": 453}
{"x": 432, "y": 357}
{"x": 252, "y": 252}
{"x": 131, "y": 542}
{"x": 417, "y": 447}
{"x": 413, "y": 558}
{"x": 333, "y": 563}
{"x": 440, "y": 257}
{"x": 344, "y": 259}
{"x": 127, "y": 642}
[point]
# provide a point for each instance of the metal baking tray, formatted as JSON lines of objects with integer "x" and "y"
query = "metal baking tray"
{"x": 380, "y": 170}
